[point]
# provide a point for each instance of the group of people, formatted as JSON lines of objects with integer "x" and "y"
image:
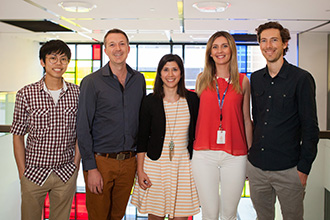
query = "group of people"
{"x": 186, "y": 150}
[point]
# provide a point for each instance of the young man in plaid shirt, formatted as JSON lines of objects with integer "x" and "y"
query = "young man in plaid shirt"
{"x": 49, "y": 160}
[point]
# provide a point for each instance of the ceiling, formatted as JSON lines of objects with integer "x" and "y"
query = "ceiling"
{"x": 161, "y": 20}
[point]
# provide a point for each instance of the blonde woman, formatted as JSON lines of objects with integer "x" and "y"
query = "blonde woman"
{"x": 223, "y": 130}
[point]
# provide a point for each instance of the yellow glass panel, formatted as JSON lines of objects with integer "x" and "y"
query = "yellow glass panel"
{"x": 69, "y": 77}
{"x": 83, "y": 69}
{"x": 150, "y": 79}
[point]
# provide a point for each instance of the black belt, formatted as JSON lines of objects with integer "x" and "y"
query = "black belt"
{"x": 118, "y": 156}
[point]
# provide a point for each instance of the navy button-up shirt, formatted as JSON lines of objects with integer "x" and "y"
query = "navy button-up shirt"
{"x": 285, "y": 122}
{"x": 108, "y": 114}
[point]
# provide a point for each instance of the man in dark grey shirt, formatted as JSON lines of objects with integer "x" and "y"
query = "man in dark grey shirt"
{"x": 107, "y": 124}
{"x": 285, "y": 134}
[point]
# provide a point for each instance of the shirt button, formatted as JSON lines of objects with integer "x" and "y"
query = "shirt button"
{"x": 270, "y": 96}
{"x": 262, "y": 136}
{"x": 272, "y": 83}
{"x": 262, "y": 149}
{"x": 266, "y": 123}
{"x": 284, "y": 95}
{"x": 267, "y": 110}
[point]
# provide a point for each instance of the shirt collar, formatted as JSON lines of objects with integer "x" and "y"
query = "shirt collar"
{"x": 282, "y": 73}
{"x": 42, "y": 85}
{"x": 108, "y": 71}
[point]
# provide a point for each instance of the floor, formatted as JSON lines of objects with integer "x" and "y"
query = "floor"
{"x": 245, "y": 207}
{"x": 245, "y": 212}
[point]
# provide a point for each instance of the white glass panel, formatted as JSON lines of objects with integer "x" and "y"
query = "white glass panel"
{"x": 149, "y": 56}
{"x": 84, "y": 51}
{"x": 194, "y": 63}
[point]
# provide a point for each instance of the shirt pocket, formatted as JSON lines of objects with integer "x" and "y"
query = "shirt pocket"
{"x": 284, "y": 102}
{"x": 39, "y": 118}
{"x": 70, "y": 114}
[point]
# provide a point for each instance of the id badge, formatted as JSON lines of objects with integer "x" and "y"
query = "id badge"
{"x": 221, "y": 137}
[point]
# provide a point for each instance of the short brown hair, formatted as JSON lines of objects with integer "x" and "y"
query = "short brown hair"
{"x": 115, "y": 31}
{"x": 284, "y": 32}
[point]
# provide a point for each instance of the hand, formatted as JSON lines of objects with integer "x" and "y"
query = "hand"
{"x": 143, "y": 180}
{"x": 303, "y": 178}
{"x": 21, "y": 173}
{"x": 95, "y": 181}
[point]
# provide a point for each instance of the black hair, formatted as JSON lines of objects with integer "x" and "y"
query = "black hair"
{"x": 158, "y": 87}
{"x": 54, "y": 46}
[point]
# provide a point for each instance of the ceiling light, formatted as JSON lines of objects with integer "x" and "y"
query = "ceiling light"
{"x": 211, "y": 6}
{"x": 72, "y": 6}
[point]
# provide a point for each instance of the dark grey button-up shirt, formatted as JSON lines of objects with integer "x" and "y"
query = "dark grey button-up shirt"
{"x": 285, "y": 122}
{"x": 108, "y": 114}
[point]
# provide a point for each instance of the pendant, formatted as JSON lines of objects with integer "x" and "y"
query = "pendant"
{"x": 171, "y": 146}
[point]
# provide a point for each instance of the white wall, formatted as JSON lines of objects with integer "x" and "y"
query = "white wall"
{"x": 10, "y": 197}
{"x": 19, "y": 60}
{"x": 313, "y": 56}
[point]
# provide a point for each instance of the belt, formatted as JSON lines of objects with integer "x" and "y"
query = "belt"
{"x": 118, "y": 156}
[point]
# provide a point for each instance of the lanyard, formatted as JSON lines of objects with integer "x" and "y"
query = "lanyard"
{"x": 222, "y": 100}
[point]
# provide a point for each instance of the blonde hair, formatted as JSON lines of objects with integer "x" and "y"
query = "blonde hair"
{"x": 205, "y": 79}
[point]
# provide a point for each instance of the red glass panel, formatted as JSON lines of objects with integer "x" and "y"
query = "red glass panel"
{"x": 96, "y": 52}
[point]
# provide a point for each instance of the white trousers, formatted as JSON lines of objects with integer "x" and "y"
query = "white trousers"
{"x": 219, "y": 178}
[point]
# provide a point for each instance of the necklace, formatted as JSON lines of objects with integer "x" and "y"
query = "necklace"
{"x": 171, "y": 132}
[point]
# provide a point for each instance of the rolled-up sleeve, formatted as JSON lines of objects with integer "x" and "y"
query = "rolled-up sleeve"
{"x": 20, "y": 118}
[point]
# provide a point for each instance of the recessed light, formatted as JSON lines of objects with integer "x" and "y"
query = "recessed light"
{"x": 80, "y": 7}
{"x": 211, "y": 6}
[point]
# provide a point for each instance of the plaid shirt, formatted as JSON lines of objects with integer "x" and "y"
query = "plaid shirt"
{"x": 51, "y": 140}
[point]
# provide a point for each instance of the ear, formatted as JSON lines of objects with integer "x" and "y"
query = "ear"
{"x": 285, "y": 45}
{"x": 42, "y": 63}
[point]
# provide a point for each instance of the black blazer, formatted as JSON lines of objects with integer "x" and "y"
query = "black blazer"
{"x": 152, "y": 125}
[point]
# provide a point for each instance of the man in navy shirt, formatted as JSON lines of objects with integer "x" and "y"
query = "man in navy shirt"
{"x": 107, "y": 124}
{"x": 285, "y": 134}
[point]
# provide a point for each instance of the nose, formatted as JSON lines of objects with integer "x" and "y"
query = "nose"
{"x": 117, "y": 47}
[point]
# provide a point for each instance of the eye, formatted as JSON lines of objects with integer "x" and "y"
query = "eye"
{"x": 214, "y": 47}
{"x": 225, "y": 45}
{"x": 64, "y": 60}
{"x": 262, "y": 41}
{"x": 53, "y": 58}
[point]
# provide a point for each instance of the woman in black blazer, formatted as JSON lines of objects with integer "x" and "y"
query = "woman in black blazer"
{"x": 165, "y": 186}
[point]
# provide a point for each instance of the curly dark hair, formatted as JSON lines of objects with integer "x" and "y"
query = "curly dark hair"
{"x": 284, "y": 32}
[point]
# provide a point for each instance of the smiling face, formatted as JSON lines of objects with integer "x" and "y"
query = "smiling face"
{"x": 220, "y": 51}
{"x": 116, "y": 48}
{"x": 170, "y": 75}
{"x": 55, "y": 65}
{"x": 271, "y": 45}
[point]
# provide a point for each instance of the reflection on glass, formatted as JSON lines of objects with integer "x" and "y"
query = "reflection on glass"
{"x": 177, "y": 49}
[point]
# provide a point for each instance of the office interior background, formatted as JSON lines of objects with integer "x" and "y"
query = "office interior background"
{"x": 156, "y": 28}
